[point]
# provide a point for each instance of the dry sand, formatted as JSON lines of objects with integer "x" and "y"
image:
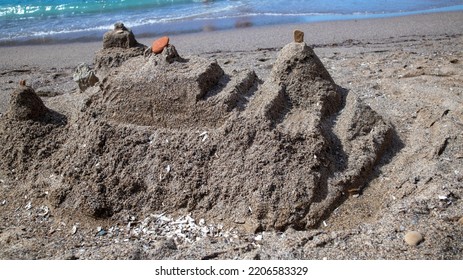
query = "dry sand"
{"x": 408, "y": 69}
{"x": 247, "y": 39}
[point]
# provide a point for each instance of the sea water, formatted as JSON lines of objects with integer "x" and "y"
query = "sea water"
{"x": 42, "y": 21}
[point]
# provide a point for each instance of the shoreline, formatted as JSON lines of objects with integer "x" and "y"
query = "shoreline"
{"x": 197, "y": 25}
{"x": 64, "y": 55}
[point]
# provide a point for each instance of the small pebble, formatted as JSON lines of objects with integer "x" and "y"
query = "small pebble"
{"x": 460, "y": 221}
{"x": 413, "y": 238}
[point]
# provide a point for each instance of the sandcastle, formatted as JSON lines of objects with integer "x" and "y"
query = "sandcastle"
{"x": 188, "y": 137}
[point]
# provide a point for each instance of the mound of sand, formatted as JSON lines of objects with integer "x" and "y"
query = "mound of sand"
{"x": 31, "y": 134}
{"x": 183, "y": 135}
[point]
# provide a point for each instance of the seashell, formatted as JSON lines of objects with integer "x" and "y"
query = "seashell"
{"x": 43, "y": 211}
{"x": 74, "y": 229}
{"x": 159, "y": 44}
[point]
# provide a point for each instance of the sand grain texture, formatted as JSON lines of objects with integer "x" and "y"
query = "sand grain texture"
{"x": 275, "y": 153}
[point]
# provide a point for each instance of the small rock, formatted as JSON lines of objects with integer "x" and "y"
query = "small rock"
{"x": 119, "y": 26}
{"x": 84, "y": 77}
{"x": 159, "y": 44}
{"x": 298, "y": 36}
{"x": 22, "y": 83}
{"x": 413, "y": 238}
{"x": 170, "y": 54}
{"x": 460, "y": 221}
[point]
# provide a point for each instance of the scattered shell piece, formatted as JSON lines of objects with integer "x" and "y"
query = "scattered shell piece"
{"x": 443, "y": 197}
{"x": 43, "y": 211}
{"x": 28, "y": 205}
{"x": 3, "y": 202}
{"x": 74, "y": 229}
{"x": 204, "y": 135}
{"x": 168, "y": 168}
{"x": 101, "y": 233}
{"x": 258, "y": 237}
{"x": 325, "y": 224}
{"x": 413, "y": 238}
{"x": 460, "y": 221}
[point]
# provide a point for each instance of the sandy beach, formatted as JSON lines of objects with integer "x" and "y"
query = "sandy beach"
{"x": 248, "y": 39}
{"x": 408, "y": 70}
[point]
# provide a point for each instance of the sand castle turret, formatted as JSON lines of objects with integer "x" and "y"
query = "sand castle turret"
{"x": 25, "y": 104}
{"x": 119, "y": 45}
{"x": 119, "y": 37}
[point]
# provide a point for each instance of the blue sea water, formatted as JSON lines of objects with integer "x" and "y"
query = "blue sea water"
{"x": 73, "y": 20}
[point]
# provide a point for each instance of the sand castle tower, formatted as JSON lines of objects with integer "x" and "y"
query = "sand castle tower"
{"x": 25, "y": 104}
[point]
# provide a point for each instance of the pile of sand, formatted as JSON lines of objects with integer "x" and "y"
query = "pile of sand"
{"x": 184, "y": 136}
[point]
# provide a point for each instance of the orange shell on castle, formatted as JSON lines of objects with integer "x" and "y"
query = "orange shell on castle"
{"x": 159, "y": 44}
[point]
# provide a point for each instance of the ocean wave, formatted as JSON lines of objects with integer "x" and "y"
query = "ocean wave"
{"x": 68, "y": 19}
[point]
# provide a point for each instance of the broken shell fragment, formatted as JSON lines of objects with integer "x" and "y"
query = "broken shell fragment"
{"x": 28, "y": 206}
{"x": 43, "y": 211}
{"x": 74, "y": 229}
